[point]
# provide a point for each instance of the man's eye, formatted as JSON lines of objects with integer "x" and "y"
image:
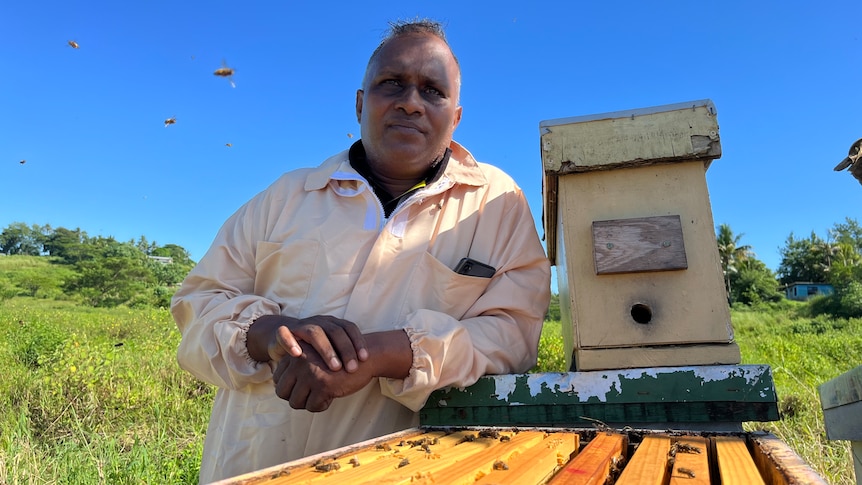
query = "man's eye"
{"x": 434, "y": 91}
{"x": 391, "y": 82}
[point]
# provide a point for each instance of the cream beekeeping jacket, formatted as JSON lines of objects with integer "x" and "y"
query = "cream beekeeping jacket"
{"x": 316, "y": 243}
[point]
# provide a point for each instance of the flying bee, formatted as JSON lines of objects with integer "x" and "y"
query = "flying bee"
{"x": 350, "y": 135}
{"x": 170, "y": 121}
{"x": 73, "y": 44}
{"x": 22, "y": 162}
{"x": 228, "y": 145}
{"x": 225, "y": 71}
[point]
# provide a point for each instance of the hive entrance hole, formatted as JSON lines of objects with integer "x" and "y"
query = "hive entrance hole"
{"x": 641, "y": 313}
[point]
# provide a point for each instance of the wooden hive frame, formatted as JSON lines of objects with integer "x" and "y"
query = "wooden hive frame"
{"x": 554, "y": 456}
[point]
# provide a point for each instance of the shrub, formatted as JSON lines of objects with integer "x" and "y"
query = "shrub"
{"x": 33, "y": 342}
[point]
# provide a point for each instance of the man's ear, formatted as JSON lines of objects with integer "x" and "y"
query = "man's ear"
{"x": 359, "y": 94}
{"x": 457, "y": 117}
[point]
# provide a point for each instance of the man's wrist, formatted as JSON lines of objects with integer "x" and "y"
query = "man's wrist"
{"x": 390, "y": 353}
{"x": 259, "y": 335}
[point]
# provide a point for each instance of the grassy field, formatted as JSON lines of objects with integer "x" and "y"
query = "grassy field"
{"x": 803, "y": 353}
{"x": 96, "y": 396}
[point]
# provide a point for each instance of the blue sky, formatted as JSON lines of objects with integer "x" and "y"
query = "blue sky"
{"x": 785, "y": 78}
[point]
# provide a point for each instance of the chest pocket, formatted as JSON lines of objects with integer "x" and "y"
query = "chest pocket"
{"x": 435, "y": 286}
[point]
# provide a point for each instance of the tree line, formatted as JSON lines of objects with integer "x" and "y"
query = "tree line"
{"x": 836, "y": 260}
{"x": 101, "y": 271}
{"x": 97, "y": 271}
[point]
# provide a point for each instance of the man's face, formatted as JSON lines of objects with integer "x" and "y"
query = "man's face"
{"x": 408, "y": 107}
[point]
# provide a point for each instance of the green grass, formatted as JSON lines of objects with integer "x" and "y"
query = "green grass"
{"x": 95, "y": 395}
{"x": 803, "y": 353}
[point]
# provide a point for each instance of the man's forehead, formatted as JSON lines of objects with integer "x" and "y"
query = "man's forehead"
{"x": 399, "y": 55}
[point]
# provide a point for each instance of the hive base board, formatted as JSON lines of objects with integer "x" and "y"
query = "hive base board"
{"x": 658, "y": 356}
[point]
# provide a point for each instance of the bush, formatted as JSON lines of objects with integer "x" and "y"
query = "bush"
{"x": 33, "y": 343}
{"x": 846, "y": 302}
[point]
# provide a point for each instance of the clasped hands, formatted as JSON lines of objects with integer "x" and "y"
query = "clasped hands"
{"x": 320, "y": 358}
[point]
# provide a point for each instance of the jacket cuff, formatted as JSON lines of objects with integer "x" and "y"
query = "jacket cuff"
{"x": 242, "y": 348}
{"x": 413, "y": 391}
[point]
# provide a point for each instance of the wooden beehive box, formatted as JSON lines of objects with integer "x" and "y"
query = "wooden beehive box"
{"x": 554, "y": 456}
{"x": 629, "y": 226}
{"x": 566, "y": 428}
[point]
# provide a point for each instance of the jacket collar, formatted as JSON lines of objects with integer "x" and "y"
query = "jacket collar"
{"x": 461, "y": 169}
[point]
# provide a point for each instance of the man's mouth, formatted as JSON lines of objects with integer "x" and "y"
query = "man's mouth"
{"x": 406, "y": 127}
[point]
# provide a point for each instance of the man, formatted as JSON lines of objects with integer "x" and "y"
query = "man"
{"x": 341, "y": 278}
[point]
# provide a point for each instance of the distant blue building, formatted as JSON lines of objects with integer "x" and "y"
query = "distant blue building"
{"x": 801, "y": 290}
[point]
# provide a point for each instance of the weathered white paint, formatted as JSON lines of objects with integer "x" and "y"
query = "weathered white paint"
{"x": 505, "y": 385}
{"x": 583, "y": 386}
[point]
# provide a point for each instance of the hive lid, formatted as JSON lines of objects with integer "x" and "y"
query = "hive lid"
{"x": 674, "y": 132}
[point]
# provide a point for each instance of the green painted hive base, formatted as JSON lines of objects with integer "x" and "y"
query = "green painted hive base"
{"x": 717, "y": 397}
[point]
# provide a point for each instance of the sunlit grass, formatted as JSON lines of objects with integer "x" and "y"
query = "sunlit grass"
{"x": 96, "y": 396}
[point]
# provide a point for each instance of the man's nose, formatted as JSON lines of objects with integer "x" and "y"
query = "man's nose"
{"x": 410, "y": 100}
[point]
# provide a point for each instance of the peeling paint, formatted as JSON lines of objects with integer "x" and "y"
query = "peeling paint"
{"x": 587, "y": 385}
{"x": 719, "y": 373}
{"x": 632, "y": 392}
{"x": 597, "y": 385}
{"x": 625, "y": 385}
{"x": 505, "y": 385}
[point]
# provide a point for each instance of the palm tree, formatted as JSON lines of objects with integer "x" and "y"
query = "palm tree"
{"x": 731, "y": 254}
